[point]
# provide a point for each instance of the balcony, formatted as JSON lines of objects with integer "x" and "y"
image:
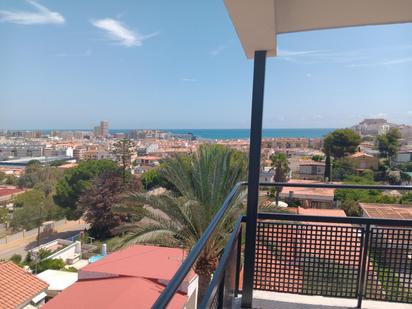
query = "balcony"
{"x": 303, "y": 261}
{"x": 296, "y": 261}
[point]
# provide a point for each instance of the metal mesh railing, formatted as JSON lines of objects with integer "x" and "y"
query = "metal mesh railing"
{"x": 308, "y": 258}
{"x": 389, "y": 270}
{"x": 312, "y": 255}
{"x": 326, "y": 259}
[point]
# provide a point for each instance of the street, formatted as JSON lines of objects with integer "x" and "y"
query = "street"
{"x": 21, "y": 246}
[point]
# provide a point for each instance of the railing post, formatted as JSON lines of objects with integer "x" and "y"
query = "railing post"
{"x": 238, "y": 261}
{"x": 364, "y": 265}
{"x": 221, "y": 292}
{"x": 253, "y": 178}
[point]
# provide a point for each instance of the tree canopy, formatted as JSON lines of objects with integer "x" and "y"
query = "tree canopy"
{"x": 388, "y": 143}
{"x": 97, "y": 201}
{"x": 32, "y": 208}
{"x": 281, "y": 166}
{"x": 35, "y": 174}
{"x": 343, "y": 168}
{"x": 7, "y": 179}
{"x": 123, "y": 150}
{"x": 350, "y": 198}
{"x": 203, "y": 180}
{"x": 153, "y": 179}
{"x": 79, "y": 179}
{"x": 341, "y": 142}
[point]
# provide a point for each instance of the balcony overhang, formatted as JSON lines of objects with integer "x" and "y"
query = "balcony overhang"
{"x": 258, "y": 22}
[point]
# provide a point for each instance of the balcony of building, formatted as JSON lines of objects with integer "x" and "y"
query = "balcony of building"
{"x": 299, "y": 261}
{"x": 307, "y": 261}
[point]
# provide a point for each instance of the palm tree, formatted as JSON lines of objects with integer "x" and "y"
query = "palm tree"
{"x": 281, "y": 166}
{"x": 178, "y": 219}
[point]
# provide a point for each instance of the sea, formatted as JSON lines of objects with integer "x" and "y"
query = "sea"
{"x": 244, "y": 133}
{"x": 232, "y": 134}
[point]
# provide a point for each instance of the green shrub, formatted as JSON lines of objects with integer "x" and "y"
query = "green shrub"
{"x": 57, "y": 264}
{"x": 16, "y": 259}
{"x": 44, "y": 253}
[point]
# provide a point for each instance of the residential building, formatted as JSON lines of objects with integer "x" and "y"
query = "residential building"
{"x": 134, "y": 276}
{"x": 17, "y": 151}
{"x": 372, "y": 126}
{"x": 309, "y": 197}
{"x": 149, "y": 160}
{"x": 79, "y": 153}
{"x": 96, "y": 131}
{"x": 152, "y": 148}
{"x": 19, "y": 288}
{"x": 403, "y": 156}
{"x": 385, "y": 211}
{"x": 363, "y": 161}
{"x": 267, "y": 174}
{"x": 104, "y": 128}
{"x": 58, "y": 280}
{"x": 320, "y": 212}
{"x": 70, "y": 252}
{"x": 311, "y": 170}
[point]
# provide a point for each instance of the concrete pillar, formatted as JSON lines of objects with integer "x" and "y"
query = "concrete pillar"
{"x": 78, "y": 246}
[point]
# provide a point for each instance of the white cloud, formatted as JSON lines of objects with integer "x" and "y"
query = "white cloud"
{"x": 409, "y": 113}
{"x": 382, "y": 63}
{"x": 215, "y": 52}
{"x": 319, "y": 56}
{"x": 372, "y": 57}
{"x": 119, "y": 33}
{"x": 218, "y": 50}
{"x": 42, "y": 16}
{"x": 189, "y": 80}
{"x": 290, "y": 53}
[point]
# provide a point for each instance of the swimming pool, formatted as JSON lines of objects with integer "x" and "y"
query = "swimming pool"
{"x": 95, "y": 258}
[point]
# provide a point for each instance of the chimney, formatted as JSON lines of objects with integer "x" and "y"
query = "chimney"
{"x": 104, "y": 249}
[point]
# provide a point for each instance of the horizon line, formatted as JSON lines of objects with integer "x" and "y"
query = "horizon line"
{"x": 166, "y": 129}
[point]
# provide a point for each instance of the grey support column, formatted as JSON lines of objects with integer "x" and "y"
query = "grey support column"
{"x": 253, "y": 178}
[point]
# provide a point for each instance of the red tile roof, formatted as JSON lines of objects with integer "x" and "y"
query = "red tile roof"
{"x": 132, "y": 277}
{"x": 17, "y": 287}
{"x": 311, "y": 163}
{"x": 151, "y": 262}
{"x": 9, "y": 191}
{"x": 360, "y": 154}
{"x": 299, "y": 192}
{"x": 387, "y": 211}
{"x": 321, "y": 212}
{"x": 122, "y": 292}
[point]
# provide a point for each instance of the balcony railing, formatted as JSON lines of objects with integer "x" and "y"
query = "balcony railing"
{"x": 349, "y": 257}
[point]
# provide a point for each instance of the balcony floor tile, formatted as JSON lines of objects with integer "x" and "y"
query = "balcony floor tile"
{"x": 274, "y": 300}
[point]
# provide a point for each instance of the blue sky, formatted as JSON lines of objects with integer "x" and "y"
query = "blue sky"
{"x": 178, "y": 64}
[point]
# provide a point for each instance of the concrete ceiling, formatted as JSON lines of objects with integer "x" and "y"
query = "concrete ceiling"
{"x": 257, "y": 22}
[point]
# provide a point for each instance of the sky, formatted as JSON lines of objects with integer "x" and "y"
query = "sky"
{"x": 68, "y": 64}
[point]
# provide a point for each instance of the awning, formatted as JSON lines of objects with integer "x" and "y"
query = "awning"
{"x": 39, "y": 297}
{"x": 257, "y": 22}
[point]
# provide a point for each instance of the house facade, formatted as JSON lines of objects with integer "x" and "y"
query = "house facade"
{"x": 363, "y": 161}
{"x": 311, "y": 170}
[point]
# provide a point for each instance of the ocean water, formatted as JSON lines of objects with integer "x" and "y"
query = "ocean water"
{"x": 231, "y": 133}
{"x": 244, "y": 133}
